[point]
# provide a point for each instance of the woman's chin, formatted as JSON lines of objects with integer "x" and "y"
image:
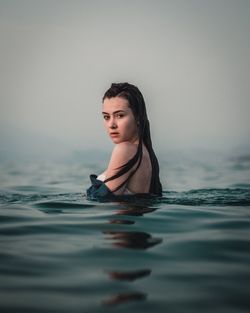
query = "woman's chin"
{"x": 116, "y": 140}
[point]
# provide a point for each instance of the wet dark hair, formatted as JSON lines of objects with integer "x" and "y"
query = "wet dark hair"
{"x": 137, "y": 104}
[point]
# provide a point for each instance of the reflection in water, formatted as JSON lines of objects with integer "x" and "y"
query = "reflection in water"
{"x": 135, "y": 211}
{"x": 133, "y": 239}
{"x": 131, "y": 211}
{"x": 120, "y": 221}
{"x": 129, "y": 276}
{"x": 125, "y": 297}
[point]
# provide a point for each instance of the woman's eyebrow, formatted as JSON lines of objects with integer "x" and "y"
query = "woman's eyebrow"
{"x": 115, "y": 112}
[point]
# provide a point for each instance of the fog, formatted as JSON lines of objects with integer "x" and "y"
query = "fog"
{"x": 190, "y": 59}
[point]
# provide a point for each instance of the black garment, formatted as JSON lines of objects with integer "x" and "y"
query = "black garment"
{"x": 99, "y": 191}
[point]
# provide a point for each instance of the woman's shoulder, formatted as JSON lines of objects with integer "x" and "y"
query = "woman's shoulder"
{"x": 121, "y": 154}
{"x": 125, "y": 149}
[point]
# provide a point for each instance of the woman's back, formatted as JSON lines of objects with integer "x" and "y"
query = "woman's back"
{"x": 140, "y": 181}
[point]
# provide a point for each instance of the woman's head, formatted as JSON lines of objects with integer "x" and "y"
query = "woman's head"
{"x": 135, "y": 101}
{"x": 119, "y": 120}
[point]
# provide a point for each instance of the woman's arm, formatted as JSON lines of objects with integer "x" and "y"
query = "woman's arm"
{"x": 121, "y": 154}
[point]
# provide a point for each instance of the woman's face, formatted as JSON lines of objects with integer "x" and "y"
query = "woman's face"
{"x": 119, "y": 120}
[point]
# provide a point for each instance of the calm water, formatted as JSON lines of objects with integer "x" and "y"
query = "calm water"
{"x": 188, "y": 251}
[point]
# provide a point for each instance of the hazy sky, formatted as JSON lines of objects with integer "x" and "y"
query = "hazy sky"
{"x": 189, "y": 58}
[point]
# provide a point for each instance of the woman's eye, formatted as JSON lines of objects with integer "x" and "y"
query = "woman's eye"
{"x": 120, "y": 115}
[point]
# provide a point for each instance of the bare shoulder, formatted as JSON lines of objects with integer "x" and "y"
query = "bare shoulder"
{"x": 125, "y": 148}
{"x": 122, "y": 153}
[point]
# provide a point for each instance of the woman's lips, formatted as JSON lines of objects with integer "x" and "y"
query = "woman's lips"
{"x": 114, "y": 134}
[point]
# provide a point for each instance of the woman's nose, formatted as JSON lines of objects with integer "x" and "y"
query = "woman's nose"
{"x": 112, "y": 123}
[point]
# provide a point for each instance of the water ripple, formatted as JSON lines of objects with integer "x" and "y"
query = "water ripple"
{"x": 211, "y": 197}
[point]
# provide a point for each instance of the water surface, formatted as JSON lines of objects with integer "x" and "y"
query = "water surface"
{"x": 187, "y": 251}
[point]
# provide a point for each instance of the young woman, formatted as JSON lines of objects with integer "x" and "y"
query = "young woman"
{"x": 133, "y": 168}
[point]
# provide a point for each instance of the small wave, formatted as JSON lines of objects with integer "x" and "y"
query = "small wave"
{"x": 13, "y": 197}
{"x": 209, "y": 196}
{"x": 62, "y": 205}
{"x": 195, "y": 197}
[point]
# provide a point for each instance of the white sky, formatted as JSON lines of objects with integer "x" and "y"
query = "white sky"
{"x": 189, "y": 58}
